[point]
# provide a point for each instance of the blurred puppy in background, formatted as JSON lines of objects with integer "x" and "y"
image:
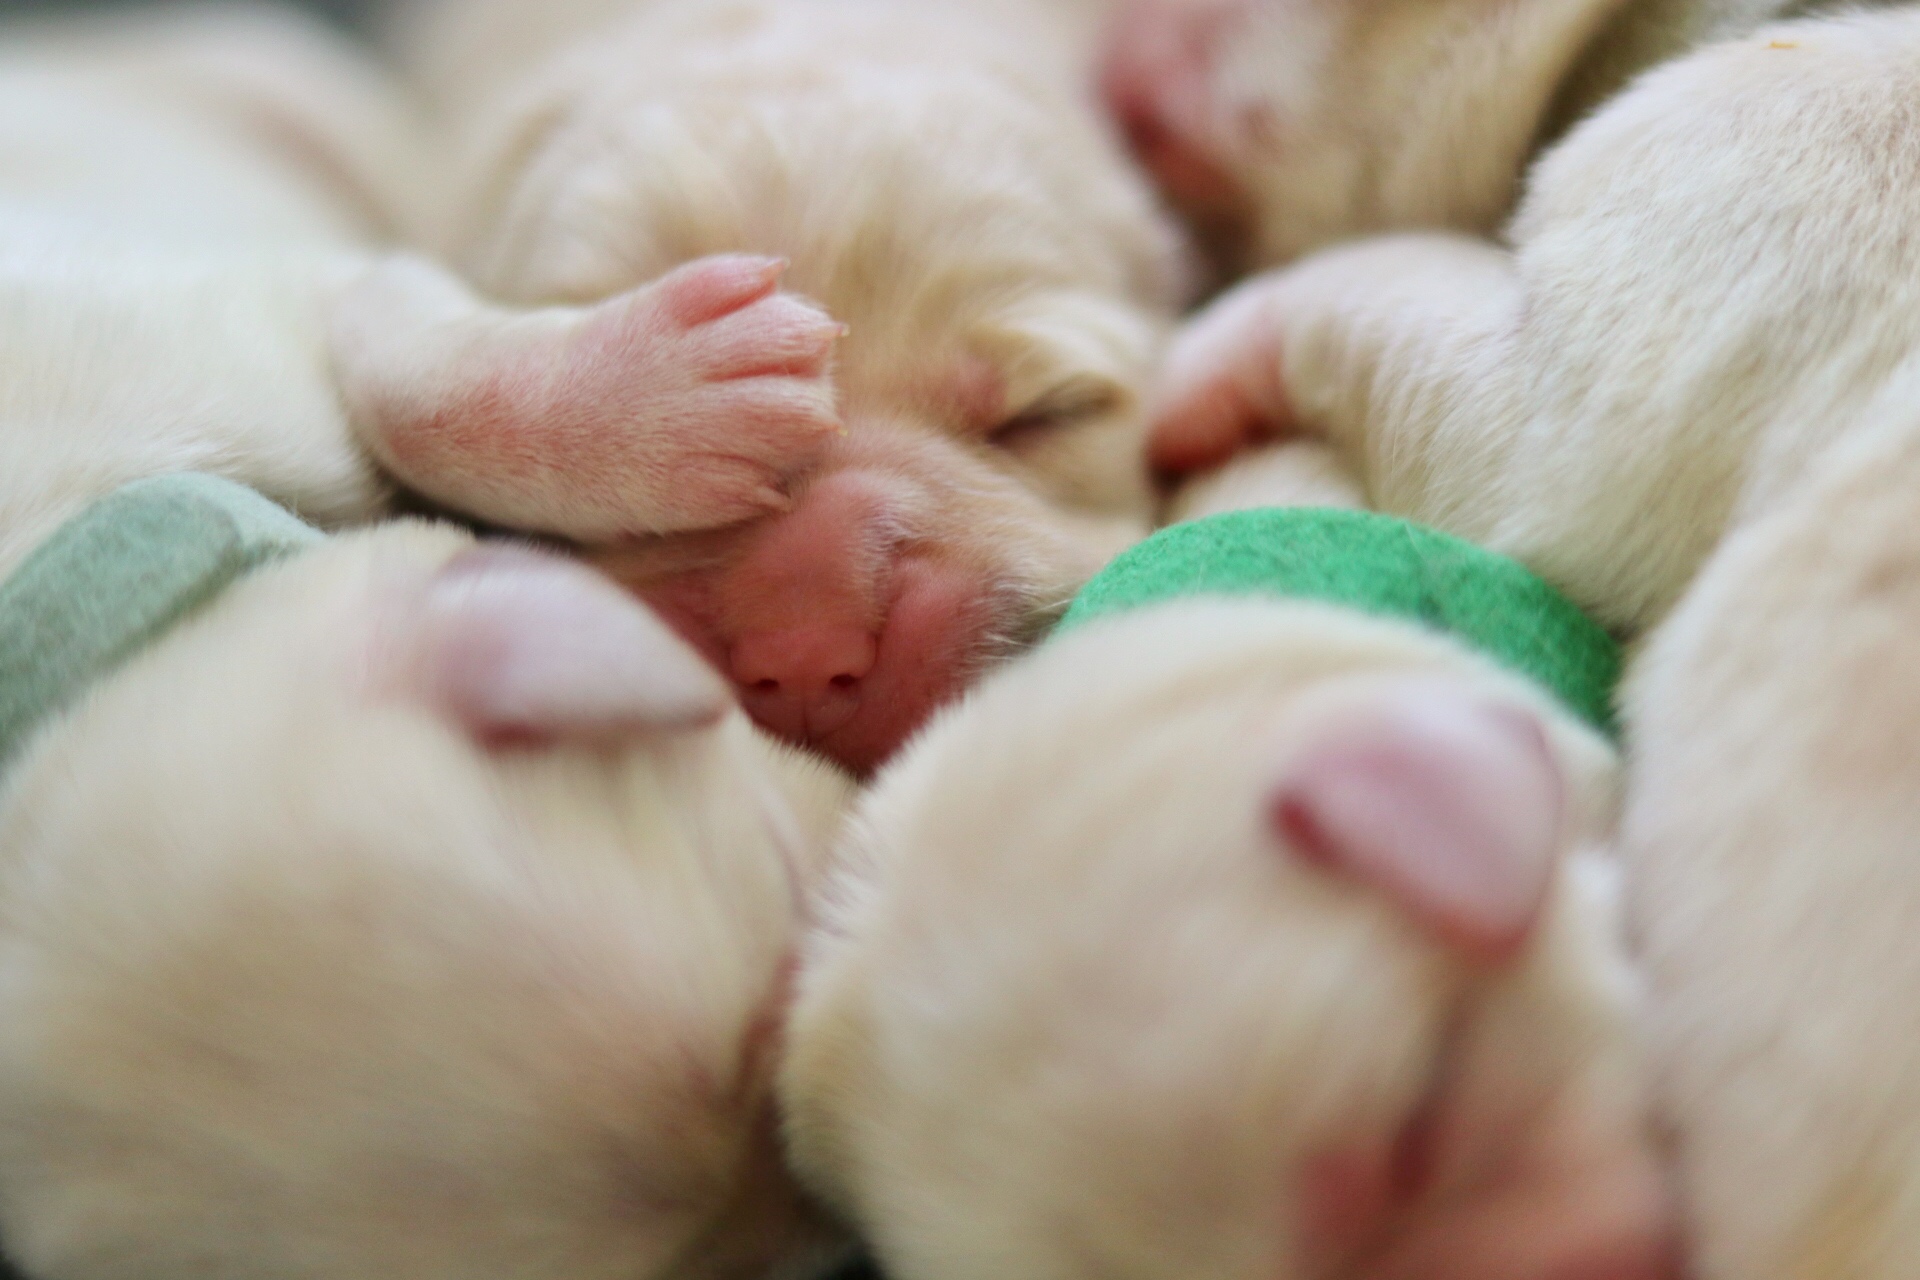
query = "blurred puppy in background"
{"x": 196, "y": 276}
{"x": 1280, "y": 126}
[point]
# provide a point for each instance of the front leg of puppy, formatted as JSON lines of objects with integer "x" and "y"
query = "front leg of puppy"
{"x": 1389, "y": 350}
{"x": 688, "y": 403}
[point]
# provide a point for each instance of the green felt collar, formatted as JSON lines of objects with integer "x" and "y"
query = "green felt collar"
{"x": 117, "y": 577}
{"x": 1379, "y": 565}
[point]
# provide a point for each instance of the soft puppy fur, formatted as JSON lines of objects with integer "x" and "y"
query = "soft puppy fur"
{"x": 1132, "y": 965}
{"x": 414, "y": 909}
{"x": 1697, "y": 353}
{"x": 1281, "y": 126}
{"x": 307, "y": 971}
{"x": 195, "y": 276}
{"x": 941, "y": 182}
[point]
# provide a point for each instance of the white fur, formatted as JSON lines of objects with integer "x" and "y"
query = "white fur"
{"x": 1707, "y": 281}
{"x": 1075, "y": 1010}
{"x": 1286, "y": 125}
{"x": 1298, "y": 473}
{"x": 302, "y": 979}
{"x": 405, "y": 912}
{"x": 1771, "y": 838}
{"x": 193, "y": 277}
{"x": 942, "y": 183}
{"x": 1703, "y": 337}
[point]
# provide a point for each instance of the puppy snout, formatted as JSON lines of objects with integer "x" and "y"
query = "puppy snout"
{"x": 807, "y": 682}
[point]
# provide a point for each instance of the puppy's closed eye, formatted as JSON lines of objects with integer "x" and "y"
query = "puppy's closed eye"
{"x": 1070, "y": 404}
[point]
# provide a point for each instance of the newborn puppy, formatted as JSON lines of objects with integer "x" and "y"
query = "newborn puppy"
{"x": 1238, "y": 939}
{"x": 1708, "y": 283}
{"x": 190, "y": 278}
{"x": 1706, "y": 325}
{"x": 942, "y": 185}
{"x": 413, "y": 909}
{"x": 1283, "y": 125}
{"x": 1773, "y": 835}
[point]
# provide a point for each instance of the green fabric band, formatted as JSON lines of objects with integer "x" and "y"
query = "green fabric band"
{"x": 118, "y": 576}
{"x": 1379, "y": 565}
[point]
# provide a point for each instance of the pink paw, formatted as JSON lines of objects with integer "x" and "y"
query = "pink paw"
{"x": 699, "y": 396}
{"x": 1223, "y": 387}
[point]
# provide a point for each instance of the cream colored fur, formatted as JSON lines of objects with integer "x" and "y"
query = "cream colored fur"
{"x": 942, "y": 183}
{"x": 193, "y": 277}
{"x": 163, "y": 264}
{"x": 1297, "y": 473}
{"x": 1074, "y": 1010}
{"x": 1699, "y": 351}
{"x": 391, "y": 917}
{"x": 1320, "y": 120}
{"x": 1772, "y": 836}
{"x": 1707, "y": 283}
{"x": 299, "y": 979}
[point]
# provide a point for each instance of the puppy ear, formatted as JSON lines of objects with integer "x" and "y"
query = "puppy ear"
{"x": 518, "y": 646}
{"x": 1449, "y": 803}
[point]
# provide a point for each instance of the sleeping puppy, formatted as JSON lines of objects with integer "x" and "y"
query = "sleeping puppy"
{"x": 943, "y": 187}
{"x": 1703, "y": 335}
{"x": 414, "y": 909}
{"x": 1282, "y": 125}
{"x": 191, "y": 277}
{"x": 411, "y": 909}
{"x": 1773, "y": 839}
{"x": 1237, "y": 939}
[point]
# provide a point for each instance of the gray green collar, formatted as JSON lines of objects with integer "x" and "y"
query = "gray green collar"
{"x": 117, "y": 577}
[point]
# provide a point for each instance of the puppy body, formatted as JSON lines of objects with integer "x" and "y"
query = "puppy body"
{"x": 411, "y": 910}
{"x": 1699, "y": 351}
{"x": 163, "y": 264}
{"x": 943, "y": 186}
{"x": 1285, "y": 125}
{"x": 192, "y": 279}
{"x": 1084, "y": 1004}
{"x": 1771, "y": 833}
{"x": 1708, "y": 284}
{"x": 305, "y": 975}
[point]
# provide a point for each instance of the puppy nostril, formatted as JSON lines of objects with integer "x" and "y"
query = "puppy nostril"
{"x": 845, "y": 682}
{"x": 766, "y": 686}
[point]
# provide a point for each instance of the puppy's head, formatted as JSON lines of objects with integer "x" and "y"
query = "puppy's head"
{"x": 1236, "y": 940}
{"x": 1282, "y": 125}
{"x": 415, "y": 910}
{"x": 1006, "y": 282}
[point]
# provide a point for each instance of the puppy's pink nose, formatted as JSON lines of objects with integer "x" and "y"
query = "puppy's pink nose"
{"x": 806, "y": 682}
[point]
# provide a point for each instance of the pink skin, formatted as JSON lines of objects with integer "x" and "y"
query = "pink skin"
{"x": 1157, "y": 80}
{"x": 1373, "y": 1210}
{"x": 840, "y": 629}
{"x": 1222, "y": 387}
{"x": 1451, "y": 807}
{"x": 525, "y": 648}
{"x": 687, "y": 434}
{"x": 689, "y": 403}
